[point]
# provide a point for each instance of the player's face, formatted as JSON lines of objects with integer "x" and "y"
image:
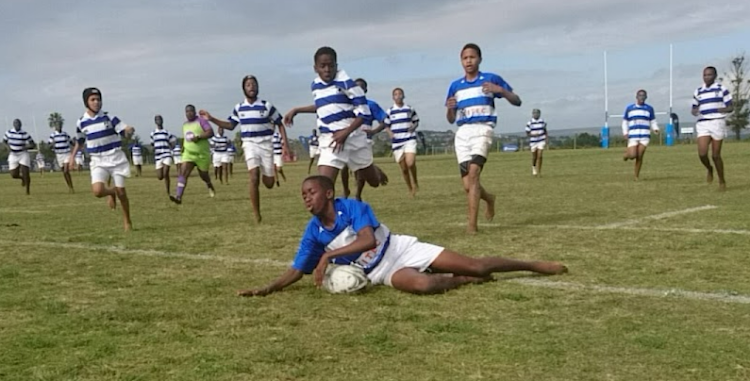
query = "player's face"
{"x": 190, "y": 113}
{"x": 470, "y": 61}
{"x": 398, "y": 96}
{"x": 326, "y": 67}
{"x": 17, "y": 124}
{"x": 251, "y": 88}
{"x": 536, "y": 114}
{"x": 315, "y": 197}
{"x": 220, "y": 131}
{"x": 94, "y": 102}
{"x": 58, "y": 126}
{"x": 709, "y": 76}
{"x": 158, "y": 120}
{"x": 641, "y": 97}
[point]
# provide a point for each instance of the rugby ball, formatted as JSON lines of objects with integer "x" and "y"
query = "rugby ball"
{"x": 189, "y": 136}
{"x": 344, "y": 279}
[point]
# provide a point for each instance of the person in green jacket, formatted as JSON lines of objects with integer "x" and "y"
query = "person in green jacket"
{"x": 195, "y": 152}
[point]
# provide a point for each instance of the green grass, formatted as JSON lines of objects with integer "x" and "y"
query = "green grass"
{"x": 73, "y": 308}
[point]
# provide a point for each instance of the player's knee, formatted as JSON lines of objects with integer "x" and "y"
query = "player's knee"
{"x": 422, "y": 285}
{"x": 716, "y": 156}
{"x": 120, "y": 192}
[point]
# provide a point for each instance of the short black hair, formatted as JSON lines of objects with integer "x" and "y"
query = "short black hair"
{"x": 398, "y": 88}
{"x": 325, "y": 182}
{"x": 325, "y": 51}
{"x": 711, "y": 68}
{"x": 642, "y": 91}
{"x": 190, "y": 106}
{"x": 364, "y": 83}
{"x": 474, "y": 46}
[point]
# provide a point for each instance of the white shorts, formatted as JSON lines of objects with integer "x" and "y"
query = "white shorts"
{"x": 165, "y": 161}
{"x": 79, "y": 161}
{"x": 638, "y": 141}
{"x": 259, "y": 155}
{"x": 115, "y": 165}
{"x": 220, "y": 158}
{"x": 538, "y": 146}
{"x": 62, "y": 159}
{"x": 404, "y": 252}
{"x": 18, "y": 158}
{"x": 314, "y": 151}
{"x": 40, "y": 164}
{"x": 357, "y": 154}
{"x": 137, "y": 160}
{"x": 177, "y": 160}
{"x": 409, "y": 147}
{"x": 716, "y": 129}
{"x": 278, "y": 160}
{"x": 472, "y": 139}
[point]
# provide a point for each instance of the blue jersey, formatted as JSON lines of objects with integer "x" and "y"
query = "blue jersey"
{"x": 136, "y": 150}
{"x": 338, "y": 102}
{"x": 162, "y": 141}
{"x": 17, "y": 140}
{"x": 60, "y": 142}
{"x": 710, "y": 99}
{"x": 277, "y": 146}
{"x": 403, "y": 121}
{"x": 220, "y": 143}
{"x": 537, "y": 130}
{"x": 314, "y": 140}
{"x": 637, "y": 121}
{"x": 101, "y": 133}
{"x": 351, "y": 217}
{"x": 474, "y": 106}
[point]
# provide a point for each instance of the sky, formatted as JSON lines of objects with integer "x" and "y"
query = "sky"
{"x": 154, "y": 57}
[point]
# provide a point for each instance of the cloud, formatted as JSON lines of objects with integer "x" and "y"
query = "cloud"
{"x": 153, "y": 57}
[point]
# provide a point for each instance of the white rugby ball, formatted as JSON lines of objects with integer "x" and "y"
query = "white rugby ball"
{"x": 344, "y": 279}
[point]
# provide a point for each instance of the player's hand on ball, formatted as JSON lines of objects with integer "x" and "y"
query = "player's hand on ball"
{"x": 204, "y": 114}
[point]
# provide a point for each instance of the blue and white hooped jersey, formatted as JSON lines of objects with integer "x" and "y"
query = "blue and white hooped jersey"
{"x": 537, "y": 130}
{"x": 162, "y": 141}
{"x": 351, "y": 217}
{"x": 277, "y": 147}
{"x": 101, "y": 133}
{"x": 314, "y": 141}
{"x": 79, "y": 155}
{"x": 257, "y": 120}
{"x": 219, "y": 144}
{"x": 376, "y": 113}
{"x": 637, "y": 121}
{"x": 18, "y": 141}
{"x": 177, "y": 151}
{"x": 60, "y": 142}
{"x": 338, "y": 103}
{"x": 474, "y": 106}
{"x": 710, "y": 99}
{"x": 404, "y": 120}
{"x": 136, "y": 150}
{"x": 231, "y": 150}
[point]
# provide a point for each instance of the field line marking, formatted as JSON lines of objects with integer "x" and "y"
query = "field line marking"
{"x": 149, "y": 253}
{"x": 659, "y": 216}
{"x": 535, "y": 282}
{"x": 636, "y": 291}
{"x": 634, "y": 228}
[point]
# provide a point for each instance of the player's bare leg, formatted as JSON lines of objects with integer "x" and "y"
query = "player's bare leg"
{"x": 474, "y": 193}
{"x": 639, "y": 160}
{"x": 406, "y": 176}
{"x": 345, "y": 181}
{"x": 225, "y": 170}
{"x": 703, "y": 143}
{"x": 101, "y": 190}
{"x": 125, "y": 203}
{"x": 718, "y": 163}
{"x": 411, "y": 163}
{"x": 68, "y": 179}
{"x": 25, "y": 174}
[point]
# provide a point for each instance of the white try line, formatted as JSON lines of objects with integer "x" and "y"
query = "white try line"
{"x": 659, "y": 216}
{"x": 634, "y": 228}
{"x": 536, "y": 282}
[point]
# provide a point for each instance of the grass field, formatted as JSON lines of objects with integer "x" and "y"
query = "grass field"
{"x": 658, "y": 288}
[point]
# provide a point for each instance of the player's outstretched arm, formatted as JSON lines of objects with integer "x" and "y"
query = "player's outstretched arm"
{"x": 450, "y": 113}
{"x": 225, "y": 124}
{"x": 289, "y": 116}
{"x": 290, "y": 277}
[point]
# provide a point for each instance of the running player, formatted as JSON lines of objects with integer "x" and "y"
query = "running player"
{"x": 346, "y": 232}
{"x": 101, "y": 134}
{"x": 637, "y": 122}
{"x": 19, "y": 162}
{"x": 162, "y": 141}
{"x": 536, "y": 130}
{"x": 60, "y": 142}
{"x": 196, "y": 153}
{"x": 471, "y": 105}
{"x": 403, "y": 124}
{"x": 314, "y": 149}
{"x": 278, "y": 157}
{"x": 136, "y": 153}
{"x": 711, "y": 104}
{"x": 257, "y": 120}
{"x": 40, "y": 162}
{"x": 220, "y": 144}
{"x": 177, "y": 157}
{"x": 79, "y": 159}
{"x": 341, "y": 108}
